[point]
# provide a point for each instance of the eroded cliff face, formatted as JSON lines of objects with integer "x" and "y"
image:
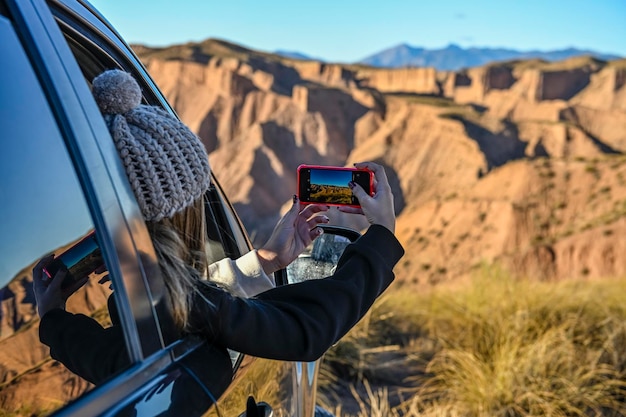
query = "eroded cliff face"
{"x": 518, "y": 164}
{"x": 455, "y": 145}
{"x": 546, "y": 219}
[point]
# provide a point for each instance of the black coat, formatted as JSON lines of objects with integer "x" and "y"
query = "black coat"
{"x": 297, "y": 322}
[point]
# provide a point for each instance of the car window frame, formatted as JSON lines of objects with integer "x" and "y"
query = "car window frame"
{"x": 100, "y": 39}
{"x": 234, "y": 238}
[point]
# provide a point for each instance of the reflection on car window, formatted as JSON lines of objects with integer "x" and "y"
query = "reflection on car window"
{"x": 43, "y": 212}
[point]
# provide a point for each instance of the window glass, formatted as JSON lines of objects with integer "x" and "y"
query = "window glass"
{"x": 43, "y": 211}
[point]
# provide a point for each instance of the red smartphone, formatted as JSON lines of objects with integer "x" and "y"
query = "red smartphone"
{"x": 80, "y": 260}
{"x": 329, "y": 185}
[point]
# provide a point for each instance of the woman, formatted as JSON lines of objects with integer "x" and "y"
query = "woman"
{"x": 168, "y": 170}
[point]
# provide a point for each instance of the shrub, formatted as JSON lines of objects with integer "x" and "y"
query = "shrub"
{"x": 501, "y": 347}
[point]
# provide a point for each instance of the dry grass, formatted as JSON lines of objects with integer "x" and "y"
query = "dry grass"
{"x": 498, "y": 348}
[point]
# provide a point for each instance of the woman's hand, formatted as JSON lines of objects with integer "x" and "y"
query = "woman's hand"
{"x": 49, "y": 294}
{"x": 292, "y": 234}
{"x": 378, "y": 209}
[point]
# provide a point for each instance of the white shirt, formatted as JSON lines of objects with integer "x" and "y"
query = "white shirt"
{"x": 244, "y": 277}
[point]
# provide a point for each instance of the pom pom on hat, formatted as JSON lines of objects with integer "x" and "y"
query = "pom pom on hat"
{"x": 116, "y": 92}
{"x": 166, "y": 163}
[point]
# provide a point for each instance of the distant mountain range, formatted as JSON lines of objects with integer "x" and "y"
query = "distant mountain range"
{"x": 296, "y": 55}
{"x": 454, "y": 57}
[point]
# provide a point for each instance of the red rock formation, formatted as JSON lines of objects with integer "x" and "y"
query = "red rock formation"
{"x": 406, "y": 80}
{"x": 440, "y": 135}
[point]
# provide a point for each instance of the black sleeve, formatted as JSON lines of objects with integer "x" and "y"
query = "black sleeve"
{"x": 301, "y": 321}
{"x": 83, "y": 345}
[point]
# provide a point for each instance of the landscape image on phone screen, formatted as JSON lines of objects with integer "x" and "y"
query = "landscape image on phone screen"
{"x": 330, "y": 186}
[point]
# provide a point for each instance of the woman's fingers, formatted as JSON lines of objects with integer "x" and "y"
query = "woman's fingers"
{"x": 380, "y": 176}
{"x": 378, "y": 170}
{"x": 315, "y": 233}
{"x": 378, "y": 209}
{"x": 312, "y": 209}
{"x": 314, "y": 218}
{"x": 74, "y": 286}
{"x": 57, "y": 280}
{"x": 314, "y": 221}
{"x": 38, "y": 274}
{"x": 359, "y": 193}
{"x": 351, "y": 210}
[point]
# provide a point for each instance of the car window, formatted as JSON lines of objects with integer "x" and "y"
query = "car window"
{"x": 44, "y": 211}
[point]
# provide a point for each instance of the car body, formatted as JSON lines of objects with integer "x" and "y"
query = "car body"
{"x": 61, "y": 179}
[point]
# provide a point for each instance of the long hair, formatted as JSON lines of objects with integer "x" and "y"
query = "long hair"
{"x": 180, "y": 242}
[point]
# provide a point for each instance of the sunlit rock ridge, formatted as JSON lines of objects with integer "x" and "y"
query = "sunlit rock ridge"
{"x": 516, "y": 163}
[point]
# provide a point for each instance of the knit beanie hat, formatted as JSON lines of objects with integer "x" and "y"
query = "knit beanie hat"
{"x": 166, "y": 164}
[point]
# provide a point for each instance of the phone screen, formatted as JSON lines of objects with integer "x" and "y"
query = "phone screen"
{"x": 329, "y": 185}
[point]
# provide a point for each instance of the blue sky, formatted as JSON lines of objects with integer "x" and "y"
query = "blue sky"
{"x": 327, "y": 177}
{"x": 350, "y": 30}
